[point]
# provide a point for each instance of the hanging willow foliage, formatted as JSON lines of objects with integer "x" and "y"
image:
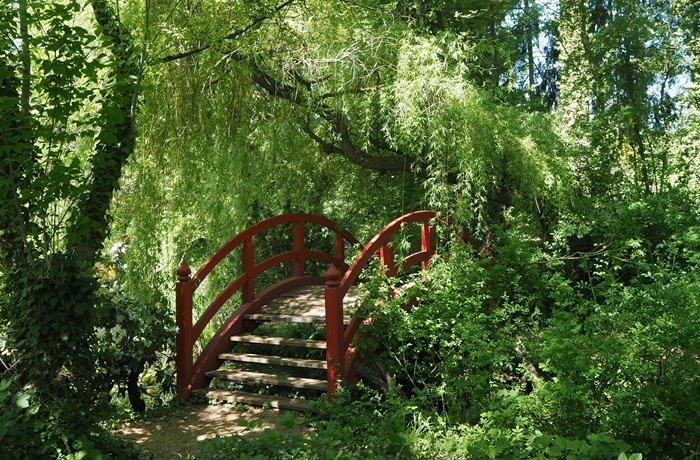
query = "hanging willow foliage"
{"x": 335, "y": 109}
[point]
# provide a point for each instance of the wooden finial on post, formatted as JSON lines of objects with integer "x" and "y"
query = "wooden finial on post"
{"x": 183, "y": 272}
{"x": 333, "y": 276}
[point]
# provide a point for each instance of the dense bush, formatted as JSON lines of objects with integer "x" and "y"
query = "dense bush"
{"x": 59, "y": 313}
{"x": 50, "y": 311}
{"x": 74, "y": 340}
{"x": 134, "y": 341}
{"x": 619, "y": 352}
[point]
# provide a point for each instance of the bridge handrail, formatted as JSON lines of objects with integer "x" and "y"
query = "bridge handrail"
{"x": 186, "y": 286}
{"x": 339, "y": 338}
{"x": 260, "y": 227}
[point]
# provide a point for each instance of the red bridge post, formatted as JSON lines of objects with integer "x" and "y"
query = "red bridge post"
{"x": 298, "y": 247}
{"x": 339, "y": 247}
{"x": 426, "y": 233}
{"x": 335, "y": 352}
{"x": 183, "y": 319}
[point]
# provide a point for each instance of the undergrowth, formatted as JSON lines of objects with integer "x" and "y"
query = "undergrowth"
{"x": 364, "y": 424}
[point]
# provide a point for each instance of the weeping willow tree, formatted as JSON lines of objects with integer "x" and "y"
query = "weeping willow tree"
{"x": 340, "y": 108}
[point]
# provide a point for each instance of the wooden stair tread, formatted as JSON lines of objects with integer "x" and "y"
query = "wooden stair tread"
{"x": 269, "y": 379}
{"x": 275, "y": 360}
{"x": 269, "y": 340}
{"x": 285, "y": 318}
{"x": 253, "y": 399}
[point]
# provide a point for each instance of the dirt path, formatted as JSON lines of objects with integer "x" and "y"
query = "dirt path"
{"x": 175, "y": 434}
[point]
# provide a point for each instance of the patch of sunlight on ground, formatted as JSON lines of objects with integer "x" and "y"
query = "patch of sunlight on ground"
{"x": 175, "y": 434}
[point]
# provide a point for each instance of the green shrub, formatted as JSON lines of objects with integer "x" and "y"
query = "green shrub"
{"x": 132, "y": 337}
{"x": 29, "y": 431}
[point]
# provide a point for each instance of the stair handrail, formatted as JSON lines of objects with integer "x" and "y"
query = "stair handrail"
{"x": 338, "y": 282}
{"x": 188, "y": 333}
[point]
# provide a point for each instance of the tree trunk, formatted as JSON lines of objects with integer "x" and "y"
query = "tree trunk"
{"x": 134, "y": 391}
{"x": 529, "y": 38}
{"x": 115, "y": 142}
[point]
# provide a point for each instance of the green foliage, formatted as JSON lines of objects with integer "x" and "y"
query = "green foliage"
{"x": 51, "y": 312}
{"x": 437, "y": 346}
{"x": 342, "y": 433}
{"x": 617, "y": 348}
{"x": 18, "y": 422}
{"x": 80, "y": 339}
{"x": 319, "y": 445}
{"x": 578, "y": 341}
{"x": 480, "y": 157}
{"x": 365, "y": 424}
{"x": 619, "y": 64}
{"x": 555, "y": 351}
{"x": 50, "y": 106}
{"x": 28, "y": 430}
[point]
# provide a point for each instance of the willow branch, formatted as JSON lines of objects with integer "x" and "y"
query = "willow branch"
{"x": 337, "y": 121}
{"x": 232, "y": 36}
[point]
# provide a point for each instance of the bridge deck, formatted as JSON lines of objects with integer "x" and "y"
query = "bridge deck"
{"x": 304, "y": 305}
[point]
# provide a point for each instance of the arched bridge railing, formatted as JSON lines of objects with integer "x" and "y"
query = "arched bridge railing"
{"x": 339, "y": 280}
{"x": 191, "y": 375}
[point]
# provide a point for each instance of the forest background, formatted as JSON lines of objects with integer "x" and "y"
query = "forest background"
{"x": 562, "y": 134}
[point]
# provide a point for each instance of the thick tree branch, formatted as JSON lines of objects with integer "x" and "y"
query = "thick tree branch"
{"x": 346, "y": 147}
{"x": 357, "y": 156}
{"x": 271, "y": 85}
{"x": 327, "y": 147}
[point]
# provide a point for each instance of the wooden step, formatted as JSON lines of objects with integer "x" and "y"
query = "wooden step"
{"x": 269, "y": 379}
{"x": 275, "y": 360}
{"x": 253, "y": 399}
{"x": 268, "y": 340}
{"x": 281, "y": 318}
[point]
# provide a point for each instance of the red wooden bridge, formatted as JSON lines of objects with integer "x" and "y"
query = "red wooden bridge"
{"x": 301, "y": 299}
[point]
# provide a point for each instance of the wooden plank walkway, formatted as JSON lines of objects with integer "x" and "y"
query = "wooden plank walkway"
{"x": 301, "y": 305}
